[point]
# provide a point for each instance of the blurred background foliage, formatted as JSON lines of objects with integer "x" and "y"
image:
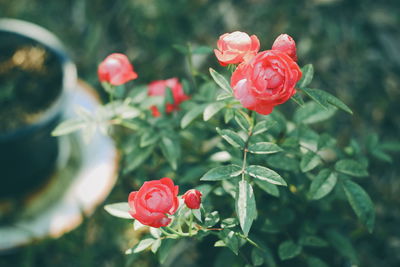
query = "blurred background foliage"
{"x": 354, "y": 46}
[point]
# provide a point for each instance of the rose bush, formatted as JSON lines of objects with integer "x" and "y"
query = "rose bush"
{"x": 271, "y": 188}
{"x": 154, "y": 200}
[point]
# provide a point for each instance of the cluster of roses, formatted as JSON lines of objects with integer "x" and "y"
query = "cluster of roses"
{"x": 260, "y": 81}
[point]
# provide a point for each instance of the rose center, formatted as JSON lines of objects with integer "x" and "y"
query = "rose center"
{"x": 155, "y": 200}
{"x": 269, "y": 79}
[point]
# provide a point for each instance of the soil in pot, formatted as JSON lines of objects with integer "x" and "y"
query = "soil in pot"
{"x": 31, "y": 79}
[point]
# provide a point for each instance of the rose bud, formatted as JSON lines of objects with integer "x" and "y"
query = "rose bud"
{"x": 116, "y": 70}
{"x": 158, "y": 88}
{"x": 153, "y": 201}
{"x": 236, "y": 47}
{"x": 192, "y": 198}
{"x": 266, "y": 81}
{"x": 286, "y": 44}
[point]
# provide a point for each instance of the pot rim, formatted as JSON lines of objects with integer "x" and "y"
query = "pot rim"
{"x": 69, "y": 74}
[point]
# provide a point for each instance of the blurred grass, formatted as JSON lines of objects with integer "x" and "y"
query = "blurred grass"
{"x": 354, "y": 46}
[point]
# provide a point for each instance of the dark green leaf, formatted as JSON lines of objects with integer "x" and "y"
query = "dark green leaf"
{"x": 171, "y": 151}
{"x": 307, "y": 75}
{"x": 231, "y": 240}
{"x": 312, "y": 241}
{"x": 221, "y": 81}
{"x": 229, "y": 114}
{"x": 283, "y": 161}
{"x": 263, "y": 126}
{"x": 257, "y": 257}
{"x": 231, "y": 137}
{"x": 243, "y": 120}
{"x": 169, "y": 97}
{"x": 136, "y": 157}
{"x": 311, "y": 112}
{"x": 245, "y": 206}
{"x": 298, "y": 99}
{"x": 149, "y": 138}
{"x": 288, "y": 250}
{"x": 165, "y": 249}
{"x": 361, "y": 203}
{"x": 322, "y": 184}
{"x": 267, "y": 187}
{"x": 222, "y": 172}
{"x": 265, "y": 174}
{"x": 212, "y": 109}
{"x": 309, "y": 161}
{"x": 316, "y": 262}
{"x": 325, "y": 99}
{"x": 264, "y": 148}
{"x": 181, "y": 48}
{"x": 351, "y": 167}
{"x": 191, "y": 115}
{"x": 120, "y": 210}
{"x": 342, "y": 244}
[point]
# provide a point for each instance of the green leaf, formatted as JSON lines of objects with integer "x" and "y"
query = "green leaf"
{"x": 309, "y": 161}
{"x": 212, "y": 109}
{"x": 267, "y": 187}
{"x": 171, "y": 151}
{"x": 191, "y": 115}
{"x": 288, "y": 250}
{"x": 197, "y": 214}
{"x": 149, "y": 137}
{"x": 219, "y": 243}
{"x": 265, "y": 174}
{"x": 264, "y": 148}
{"x": 263, "y": 126}
{"x": 202, "y": 50}
{"x": 229, "y": 114}
{"x": 231, "y": 137}
{"x": 143, "y": 244}
{"x": 283, "y": 161}
{"x": 245, "y": 206}
{"x": 169, "y": 97}
{"x": 298, "y": 99}
{"x": 181, "y": 48}
{"x": 361, "y": 203}
{"x": 351, "y": 167}
{"x": 155, "y": 232}
{"x": 136, "y": 157}
{"x": 342, "y": 244}
{"x": 316, "y": 262}
{"x": 120, "y": 210}
{"x": 311, "y": 112}
{"x": 312, "y": 241}
{"x": 231, "y": 240}
{"x": 322, "y": 184}
{"x": 156, "y": 245}
{"x": 220, "y": 80}
{"x": 221, "y": 173}
{"x": 307, "y": 76}
{"x": 324, "y": 99}
{"x": 68, "y": 126}
{"x": 243, "y": 120}
{"x": 211, "y": 219}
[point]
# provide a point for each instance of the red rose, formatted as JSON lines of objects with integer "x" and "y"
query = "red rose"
{"x": 192, "y": 198}
{"x": 266, "y": 81}
{"x": 157, "y": 88}
{"x": 153, "y": 201}
{"x": 286, "y": 44}
{"x": 236, "y": 47}
{"x": 116, "y": 70}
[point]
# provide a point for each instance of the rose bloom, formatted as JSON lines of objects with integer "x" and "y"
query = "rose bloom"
{"x": 153, "y": 201}
{"x": 236, "y": 47}
{"x": 157, "y": 88}
{"x": 192, "y": 198}
{"x": 266, "y": 81}
{"x": 286, "y": 44}
{"x": 116, "y": 70}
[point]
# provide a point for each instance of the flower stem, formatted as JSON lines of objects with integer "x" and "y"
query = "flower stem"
{"x": 190, "y": 223}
